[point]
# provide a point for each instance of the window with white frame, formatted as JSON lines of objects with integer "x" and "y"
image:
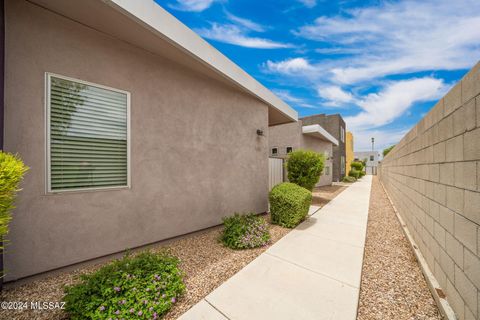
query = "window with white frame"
{"x": 274, "y": 151}
{"x": 327, "y": 171}
{"x": 342, "y": 134}
{"x": 87, "y": 135}
{"x": 342, "y": 165}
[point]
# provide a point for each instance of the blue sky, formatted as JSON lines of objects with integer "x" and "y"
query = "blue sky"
{"x": 381, "y": 64}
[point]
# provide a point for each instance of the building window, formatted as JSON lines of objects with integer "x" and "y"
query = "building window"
{"x": 289, "y": 149}
{"x": 87, "y": 135}
{"x": 371, "y": 158}
{"x": 342, "y": 165}
{"x": 274, "y": 151}
{"x": 327, "y": 171}
{"x": 342, "y": 134}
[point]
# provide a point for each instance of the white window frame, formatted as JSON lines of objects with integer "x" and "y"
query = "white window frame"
{"x": 48, "y": 186}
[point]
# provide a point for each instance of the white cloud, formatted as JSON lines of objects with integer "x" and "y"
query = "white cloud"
{"x": 308, "y": 3}
{"x": 298, "y": 102}
{"x": 236, "y": 35}
{"x": 379, "y": 109}
{"x": 192, "y": 5}
{"x": 400, "y": 37}
{"x": 335, "y": 96}
{"x": 295, "y": 66}
{"x": 249, "y": 24}
{"x": 383, "y": 138}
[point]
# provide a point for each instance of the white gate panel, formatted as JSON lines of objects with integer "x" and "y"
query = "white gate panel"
{"x": 275, "y": 172}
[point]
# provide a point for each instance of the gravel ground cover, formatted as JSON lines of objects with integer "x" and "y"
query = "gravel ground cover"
{"x": 322, "y": 195}
{"x": 393, "y": 286}
{"x": 205, "y": 261}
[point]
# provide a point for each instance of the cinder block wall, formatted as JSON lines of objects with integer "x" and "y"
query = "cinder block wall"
{"x": 433, "y": 178}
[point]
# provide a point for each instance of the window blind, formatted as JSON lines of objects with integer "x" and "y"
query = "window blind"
{"x": 88, "y": 136}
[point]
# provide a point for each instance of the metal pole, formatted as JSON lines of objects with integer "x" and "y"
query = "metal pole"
{"x": 373, "y": 144}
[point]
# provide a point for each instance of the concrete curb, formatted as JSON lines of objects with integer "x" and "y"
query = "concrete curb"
{"x": 437, "y": 292}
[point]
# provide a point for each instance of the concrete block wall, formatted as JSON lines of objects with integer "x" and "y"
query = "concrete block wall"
{"x": 433, "y": 178}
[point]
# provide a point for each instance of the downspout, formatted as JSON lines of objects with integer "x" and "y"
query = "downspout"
{"x": 2, "y": 102}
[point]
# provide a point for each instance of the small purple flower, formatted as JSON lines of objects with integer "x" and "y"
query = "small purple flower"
{"x": 117, "y": 312}
{"x": 140, "y": 313}
{"x": 145, "y": 301}
{"x": 116, "y": 289}
{"x": 132, "y": 310}
{"x": 150, "y": 309}
{"x": 102, "y": 308}
{"x": 164, "y": 295}
{"x": 174, "y": 300}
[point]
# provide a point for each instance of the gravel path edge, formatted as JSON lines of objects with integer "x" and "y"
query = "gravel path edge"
{"x": 437, "y": 292}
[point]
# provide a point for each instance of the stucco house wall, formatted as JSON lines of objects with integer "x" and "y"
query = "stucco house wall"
{"x": 291, "y": 135}
{"x": 334, "y": 124}
{"x": 349, "y": 153}
{"x": 193, "y": 160}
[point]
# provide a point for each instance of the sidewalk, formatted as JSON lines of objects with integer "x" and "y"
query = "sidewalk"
{"x": 313, "y": 272}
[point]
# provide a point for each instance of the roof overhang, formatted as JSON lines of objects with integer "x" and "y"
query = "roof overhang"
{"x": 315, "y": 130}
{"x": 145, "y": 24}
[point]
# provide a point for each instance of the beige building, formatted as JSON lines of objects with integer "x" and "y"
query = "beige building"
{"x": 128, "y": 121}
{"x": 285, "y": 138}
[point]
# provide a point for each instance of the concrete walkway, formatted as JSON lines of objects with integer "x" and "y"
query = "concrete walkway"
{"x": 314, "y": 272}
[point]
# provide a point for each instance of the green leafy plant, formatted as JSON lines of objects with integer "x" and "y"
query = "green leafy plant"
{"x": 354, "y": 173}
{"x": 12, "y": 170}
{"x": 349, "y": 179}
{"x": 387, "y": 150}
{"x": 144, "y": 286}
{"x": 242, "y": 231}
{"x": 289, "y": 204}
{"x": 357, "y": 165}
{"x": 304, "y": 168}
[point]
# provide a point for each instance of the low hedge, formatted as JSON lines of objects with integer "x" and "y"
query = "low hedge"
{"x": 354, "y": 173}
{"x": 144, "y": 286}
{"x": 349, "y": 179}
{"x": 289, "y": 204}
{"x": 243, "y": 231}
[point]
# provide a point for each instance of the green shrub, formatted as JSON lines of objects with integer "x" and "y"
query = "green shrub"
{"x": 387, "y": 150}
{"x": 357, "y": 165}
{"x": 144, "y": 286}
{"x": 304, "y": 168}
{"x": 289, "y": 204}
{"x": 362, "y": 173}
{"x": 245, "y": 231}
{"x": 349, "y": 179}
{"x": 12, "y": 170}
{"x": 354, "y": 173}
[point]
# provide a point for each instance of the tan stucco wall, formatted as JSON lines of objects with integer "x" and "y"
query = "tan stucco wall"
{"x": 433, "y": 178}
{"x": 290, "y": 135}
{"x": 349, "y": 153}
{"x": 195, "y": 154}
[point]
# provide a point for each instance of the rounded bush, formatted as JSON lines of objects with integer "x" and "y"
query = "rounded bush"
{"x": 12, "y": 170}
{"x": 245, "y": 231}
{"x": 304, "y": 168}
{"x": 354, "y": 173}
{"x": 289, "y": 204}
{"x": 349, "y": 179}
{"x": 357, "y": 165}
{"x": 144, "y": 286}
